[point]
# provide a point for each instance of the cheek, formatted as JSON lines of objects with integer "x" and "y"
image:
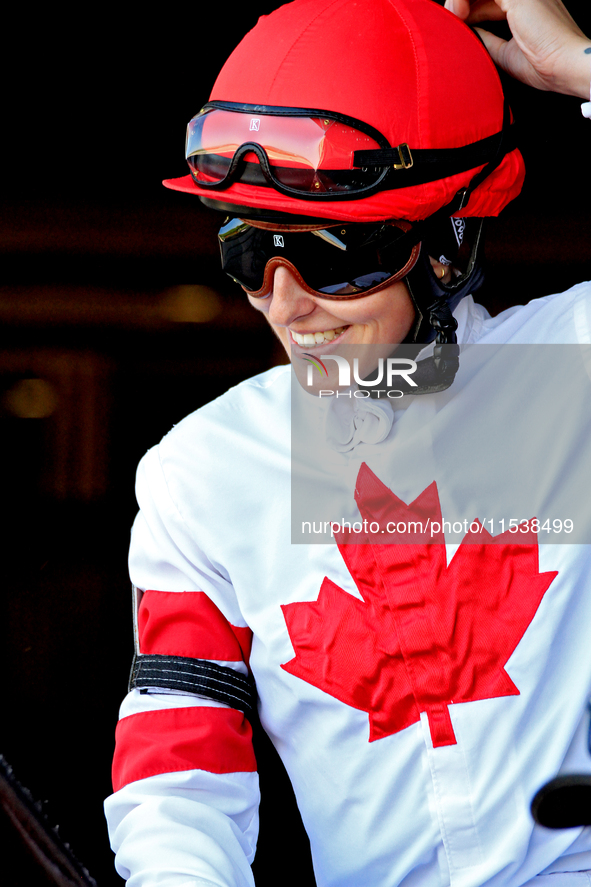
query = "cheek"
{"x": 398, "y": 312}
{"x": 387, "y": 316}
{"x": 402, "y": 323}
{"x": 262, "y": 305}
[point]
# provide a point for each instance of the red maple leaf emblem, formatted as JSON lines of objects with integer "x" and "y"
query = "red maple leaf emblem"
{"x": 426, "y": 634}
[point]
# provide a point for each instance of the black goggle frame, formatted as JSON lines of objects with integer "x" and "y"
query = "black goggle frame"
{"x": 336, "y": 263}
{"x": 389, "y": 167}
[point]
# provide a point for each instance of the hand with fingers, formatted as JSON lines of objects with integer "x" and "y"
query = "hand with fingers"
{"x": 547, "y": 48}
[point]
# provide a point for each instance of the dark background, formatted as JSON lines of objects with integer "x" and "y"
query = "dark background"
{"x": 115, "y": 322}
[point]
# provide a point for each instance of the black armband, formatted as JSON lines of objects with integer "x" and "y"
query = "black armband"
{"x": 197, "y": 676}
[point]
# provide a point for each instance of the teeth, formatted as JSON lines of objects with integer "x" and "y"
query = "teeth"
{"x": 316, "y": 338}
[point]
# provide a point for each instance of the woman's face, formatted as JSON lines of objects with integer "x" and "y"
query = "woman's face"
{"x": 307, "y": 324}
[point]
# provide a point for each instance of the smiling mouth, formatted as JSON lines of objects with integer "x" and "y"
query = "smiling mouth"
{"x": 309, "y": 340}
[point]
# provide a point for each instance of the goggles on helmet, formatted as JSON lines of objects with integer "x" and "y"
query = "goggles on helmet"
{"x": 296, "y": 151}
{"x": 341, "y": 262}
{"x": 312, "y": 154}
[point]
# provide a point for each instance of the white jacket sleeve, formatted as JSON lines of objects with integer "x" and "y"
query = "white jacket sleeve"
{"x": 185, "y": 806}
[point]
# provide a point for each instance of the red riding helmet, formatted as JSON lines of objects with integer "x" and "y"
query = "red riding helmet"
{"x": 356, "y": 110}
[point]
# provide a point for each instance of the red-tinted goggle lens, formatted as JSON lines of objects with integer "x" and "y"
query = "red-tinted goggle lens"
{"x": 306, "y": 154}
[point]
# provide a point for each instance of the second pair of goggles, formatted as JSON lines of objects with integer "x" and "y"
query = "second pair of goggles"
{"x": 341, "y": 262}
{"x": 312, "y": 154}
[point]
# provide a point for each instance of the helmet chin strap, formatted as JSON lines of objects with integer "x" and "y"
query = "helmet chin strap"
{"x": 434, "y": 302}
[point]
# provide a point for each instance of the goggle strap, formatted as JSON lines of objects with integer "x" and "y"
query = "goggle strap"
{"x": 501, "y": 150}
{"x": 442, "y": 162}
{"x": 461, "y": 197}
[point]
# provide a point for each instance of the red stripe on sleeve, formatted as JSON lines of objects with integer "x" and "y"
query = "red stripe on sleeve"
{"x": 188, "y": 623}
{"x": 218, "y": 740}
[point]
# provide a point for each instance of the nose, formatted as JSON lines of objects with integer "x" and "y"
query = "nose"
{"x": 288, "y": 300}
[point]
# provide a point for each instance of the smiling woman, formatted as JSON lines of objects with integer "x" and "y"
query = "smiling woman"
{"x": 293, "y": 545}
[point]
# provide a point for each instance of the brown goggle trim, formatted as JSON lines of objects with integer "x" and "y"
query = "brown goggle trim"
{"x": 277, "y": 261}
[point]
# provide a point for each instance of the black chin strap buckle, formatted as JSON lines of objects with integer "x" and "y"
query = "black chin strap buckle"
{"x": 446, "y": 360}
{"x": 443, "y": 322}
{"x": 446, "y": 352}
